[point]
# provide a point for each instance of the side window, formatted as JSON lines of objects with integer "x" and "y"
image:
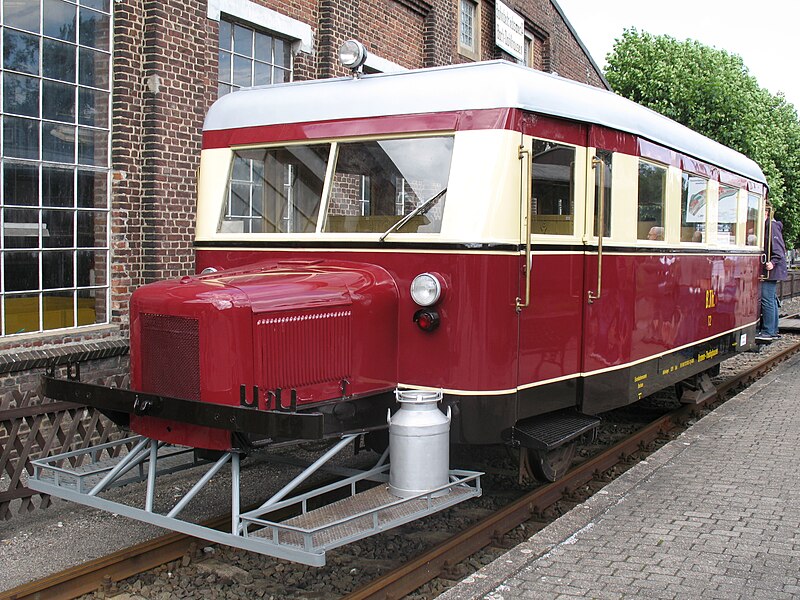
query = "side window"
{"x": 753, "y": 204}
{"x": 602, "y": 174}
{"x": 694, "y": 191}
{"x": 727, "y": 214}
{"x": 652, "y": 194}
{"x": 553, "y": 188}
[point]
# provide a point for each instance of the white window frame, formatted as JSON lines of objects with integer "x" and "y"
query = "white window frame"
{"x": 300, "y": 33}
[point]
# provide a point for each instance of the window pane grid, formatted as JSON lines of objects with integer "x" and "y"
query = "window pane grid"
{"x": 55, "y": 83}
{"x": 249, "y": 57}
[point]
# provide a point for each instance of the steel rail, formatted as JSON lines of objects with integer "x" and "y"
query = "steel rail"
{"x": 140, "y": 558}
{"x": 435, "y": 562}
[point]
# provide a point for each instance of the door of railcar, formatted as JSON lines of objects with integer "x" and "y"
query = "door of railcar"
{"x": 550, "y": 336}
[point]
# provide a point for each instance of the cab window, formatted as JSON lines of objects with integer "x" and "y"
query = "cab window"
{"x": 275, "y": 190}
{"x": 378, "y": 184}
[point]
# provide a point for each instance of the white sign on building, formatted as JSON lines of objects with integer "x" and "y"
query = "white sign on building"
{"x": 509, "y": 30}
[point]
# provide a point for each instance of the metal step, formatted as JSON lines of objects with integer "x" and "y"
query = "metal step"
{"x": 547, "y": 432}
{"x": 304, "y": 538}
{"x": 359, "y": 516}
{"x": 791, "y": 323}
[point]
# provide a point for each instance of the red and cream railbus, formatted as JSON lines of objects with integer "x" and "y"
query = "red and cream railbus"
{"x": 441, "y": 230}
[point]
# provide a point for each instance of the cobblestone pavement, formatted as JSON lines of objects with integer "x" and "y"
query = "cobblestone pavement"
{"x": 713, "y": 514}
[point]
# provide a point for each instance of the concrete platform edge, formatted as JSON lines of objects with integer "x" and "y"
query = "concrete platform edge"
{"x": 563, "y": 531}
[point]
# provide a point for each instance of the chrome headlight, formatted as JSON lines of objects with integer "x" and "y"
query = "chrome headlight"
{"x": 426, "y": 289}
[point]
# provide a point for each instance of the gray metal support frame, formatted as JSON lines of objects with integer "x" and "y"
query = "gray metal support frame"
{"x": 304, "y": 538}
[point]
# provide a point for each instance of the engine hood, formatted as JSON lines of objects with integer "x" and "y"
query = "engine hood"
{"x": 273, "y": 286}
{"x": 302, "y": 284}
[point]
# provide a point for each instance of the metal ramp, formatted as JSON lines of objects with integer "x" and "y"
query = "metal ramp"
{"x": 86, "y": 476}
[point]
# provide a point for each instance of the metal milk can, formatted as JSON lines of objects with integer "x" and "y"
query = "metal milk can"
{"x": 419, "y": 444}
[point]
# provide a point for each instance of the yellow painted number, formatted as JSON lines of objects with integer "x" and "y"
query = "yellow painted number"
{"x": 711, "y": 299}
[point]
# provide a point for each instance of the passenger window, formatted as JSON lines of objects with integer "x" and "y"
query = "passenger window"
{"x": 652, "y": 192}
{"x": 694, "y": 191}
{"x": 553, "y": 189}
{"x": 753, "y": 204}
{"x": 605, "y": 157}
{"x": 727, "y": 214}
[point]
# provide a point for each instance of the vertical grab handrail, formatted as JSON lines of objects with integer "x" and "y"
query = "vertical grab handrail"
{"x": 601, "y": 226}
{"x": 768, "y": 234}
{"x": 526, "y": 198}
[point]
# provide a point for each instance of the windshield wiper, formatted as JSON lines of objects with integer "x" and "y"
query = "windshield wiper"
{"x": 420, "y": 210}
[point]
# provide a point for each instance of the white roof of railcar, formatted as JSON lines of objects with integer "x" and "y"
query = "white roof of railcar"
{"x": 472, "y": 86}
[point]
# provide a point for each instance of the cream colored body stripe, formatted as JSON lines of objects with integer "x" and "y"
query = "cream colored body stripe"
{"x": 465, "y": 252}
{"x": 456, "y": 392}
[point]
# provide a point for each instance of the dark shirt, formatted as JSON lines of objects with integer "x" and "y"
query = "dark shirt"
{"x": 777, "y": 252}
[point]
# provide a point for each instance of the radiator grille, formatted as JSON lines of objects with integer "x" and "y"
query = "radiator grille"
{"x": 299, "y": 350}
{"x": 170, "y": 356}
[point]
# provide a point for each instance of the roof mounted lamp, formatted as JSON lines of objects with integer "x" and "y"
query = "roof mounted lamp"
{"x": 353, "y": 55}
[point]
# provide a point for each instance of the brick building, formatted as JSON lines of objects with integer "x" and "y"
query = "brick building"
{"x": 102, "y": 108}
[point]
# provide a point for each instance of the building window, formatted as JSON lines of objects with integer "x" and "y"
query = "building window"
{"x": 652, "y": 193}
{"x": 469, "y": 18}
{"x": 527, "y": 53}
{"x": 249, "y": 57}
{"x": 56, "y": 82}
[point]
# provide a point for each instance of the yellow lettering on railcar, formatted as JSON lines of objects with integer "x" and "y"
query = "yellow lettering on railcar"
{"x": 711, "y": 298}
{"x": 640, "y": 378}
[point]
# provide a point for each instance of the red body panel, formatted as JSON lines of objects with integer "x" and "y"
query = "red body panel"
{"x": 308, "y": 321}
{"x": 298, "y": 317}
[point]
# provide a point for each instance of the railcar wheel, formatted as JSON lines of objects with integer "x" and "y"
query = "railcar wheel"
{"x": 548, "y": 466}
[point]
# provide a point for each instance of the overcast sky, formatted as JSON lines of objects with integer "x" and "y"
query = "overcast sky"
{"x": 766, "y": 33}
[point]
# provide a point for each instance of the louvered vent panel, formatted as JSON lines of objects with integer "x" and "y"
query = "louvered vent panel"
{"x": 300, "y": 350}
{"x": 170, "y": 356}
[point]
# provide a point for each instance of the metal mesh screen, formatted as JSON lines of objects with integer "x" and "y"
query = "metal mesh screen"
{"x": 170, "y": 356}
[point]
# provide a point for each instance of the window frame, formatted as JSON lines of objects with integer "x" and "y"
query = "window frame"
{"x": 79, "y": 165}
{"x": 232, "y": 55}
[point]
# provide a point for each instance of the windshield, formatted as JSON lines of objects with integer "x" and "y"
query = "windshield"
{"x": 373, "y": 186}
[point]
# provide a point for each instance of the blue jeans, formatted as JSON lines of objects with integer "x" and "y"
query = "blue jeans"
{"x": 769, "y": 308}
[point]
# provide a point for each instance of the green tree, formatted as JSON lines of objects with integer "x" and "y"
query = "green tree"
{"x": 712, "y": 92}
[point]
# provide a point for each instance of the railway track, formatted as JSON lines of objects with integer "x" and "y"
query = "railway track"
{"x": 440, "y": 561}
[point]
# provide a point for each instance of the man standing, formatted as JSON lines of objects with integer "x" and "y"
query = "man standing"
{"x": 774, "y": 270}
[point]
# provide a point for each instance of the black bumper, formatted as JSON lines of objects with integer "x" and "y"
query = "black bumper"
{"x": 334, "y": 418}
